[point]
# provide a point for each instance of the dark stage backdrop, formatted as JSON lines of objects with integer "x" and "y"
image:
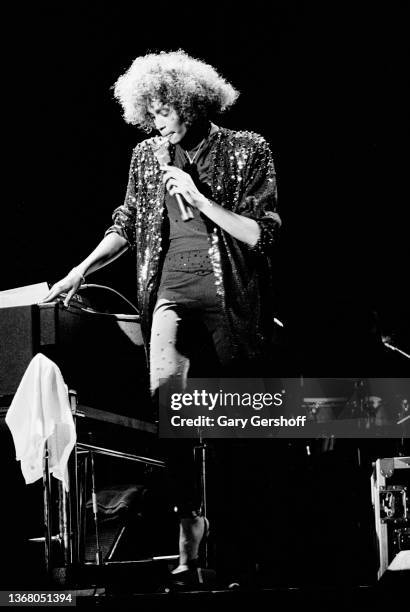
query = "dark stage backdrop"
{"x": 325, "y": 84}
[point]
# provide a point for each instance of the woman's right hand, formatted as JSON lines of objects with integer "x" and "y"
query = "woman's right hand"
{"x": 69, "y": 285}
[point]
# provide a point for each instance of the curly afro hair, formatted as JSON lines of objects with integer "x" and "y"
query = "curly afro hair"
{"x": 193, "y": 88}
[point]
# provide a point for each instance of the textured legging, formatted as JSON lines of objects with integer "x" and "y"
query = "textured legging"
{"x": 187, "y": 334}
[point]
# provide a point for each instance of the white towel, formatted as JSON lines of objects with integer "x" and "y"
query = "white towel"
{"x": 40, "y": 411}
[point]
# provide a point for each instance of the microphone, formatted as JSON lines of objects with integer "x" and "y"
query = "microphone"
{"x": 161, "y": 152}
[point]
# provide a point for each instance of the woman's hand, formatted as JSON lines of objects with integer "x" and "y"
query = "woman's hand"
{"x": 69, "y": 285}
{"x": 240, "y": 227}
{"x": 178, "y": 181}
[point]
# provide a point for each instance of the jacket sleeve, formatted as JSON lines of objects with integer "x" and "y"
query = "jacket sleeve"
{"x": 124, "y": 217}
{"x": 259, "y": 200}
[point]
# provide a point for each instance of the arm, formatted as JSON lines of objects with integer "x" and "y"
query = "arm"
{"x": 259, "y": 199}
{"x": 110, "y": 247}
{"x": 118, "y": 238}
{"x": 242, "y": 228}
{"x": 256, "y": 221}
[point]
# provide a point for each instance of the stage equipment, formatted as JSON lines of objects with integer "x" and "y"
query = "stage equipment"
{"x": 323, "y": 409}
{"x": 345, "y": 407}
{"x": 390, "y": 485}
{"x": 71, "y": 536}
{"x": 102, "y": 358}
{"x": 103, "y": 361}
{"x": 100, "y": 354}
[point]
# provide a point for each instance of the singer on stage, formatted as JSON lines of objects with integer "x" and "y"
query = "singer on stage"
{"x": 200, "y": 213}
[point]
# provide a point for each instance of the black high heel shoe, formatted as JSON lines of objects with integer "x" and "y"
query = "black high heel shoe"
{"x": 191, "y": 578}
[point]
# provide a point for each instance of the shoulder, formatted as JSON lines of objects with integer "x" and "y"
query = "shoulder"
{"x": 143, "y": 152}
{"x": 250, "y": 150}
{"x": 245, "y": 139}
{"x": 146, "y": 145}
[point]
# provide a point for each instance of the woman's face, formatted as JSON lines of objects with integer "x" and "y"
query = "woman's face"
{"x": 167, "y": 122}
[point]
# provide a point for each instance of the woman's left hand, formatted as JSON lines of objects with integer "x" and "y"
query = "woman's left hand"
{"x": 178, "y": 181}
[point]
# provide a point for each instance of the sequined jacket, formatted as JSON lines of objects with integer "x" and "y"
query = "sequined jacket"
{"x": 243, "y": 181}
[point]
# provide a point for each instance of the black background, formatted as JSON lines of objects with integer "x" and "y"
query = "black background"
{"x": 325, "y": 84}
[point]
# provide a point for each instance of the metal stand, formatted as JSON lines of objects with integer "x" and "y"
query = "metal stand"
{"x": 72, "y": 504}
{"x": 47, "y": 510}
{"x": 200, "y": 457}
{"x": 98, "y": 554}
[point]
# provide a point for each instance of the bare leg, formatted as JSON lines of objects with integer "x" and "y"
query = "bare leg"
{"x": 191, "y": 532}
